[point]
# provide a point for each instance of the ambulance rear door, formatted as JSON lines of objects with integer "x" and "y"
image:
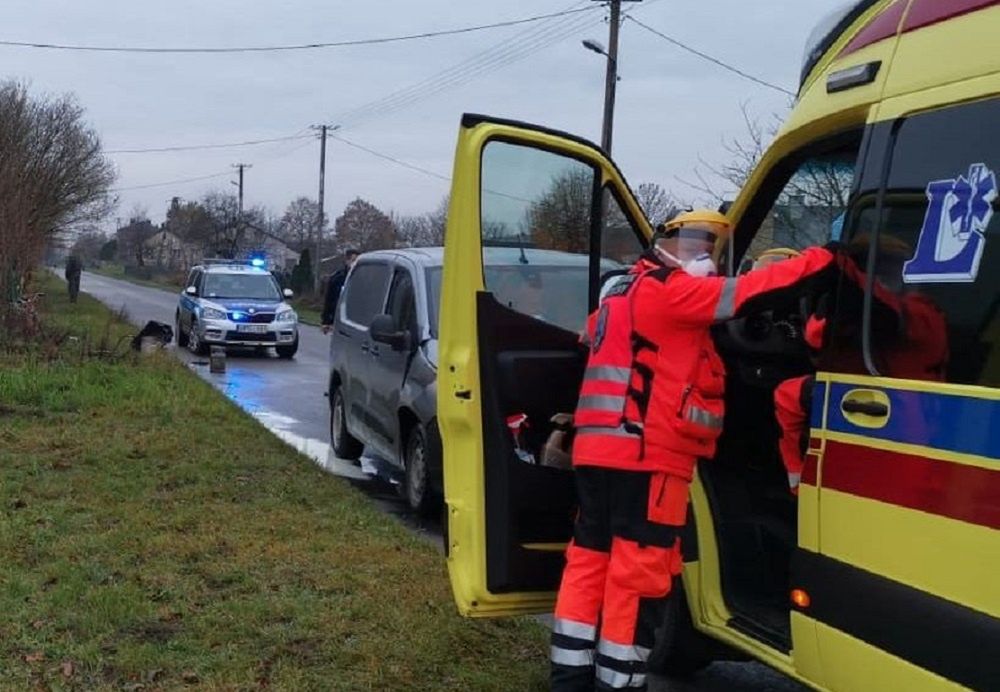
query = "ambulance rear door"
{"x": 536, "y": 218}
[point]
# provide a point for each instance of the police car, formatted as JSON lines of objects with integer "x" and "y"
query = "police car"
{"x": 232, "y": 303}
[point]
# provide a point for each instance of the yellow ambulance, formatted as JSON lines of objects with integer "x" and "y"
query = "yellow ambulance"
{"x": 884, "y": 573}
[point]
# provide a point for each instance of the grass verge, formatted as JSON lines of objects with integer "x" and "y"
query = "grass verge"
{"x": 155, "y": 537}
{"x": 309, "y": 311}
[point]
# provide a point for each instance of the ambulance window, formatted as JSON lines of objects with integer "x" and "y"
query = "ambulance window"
{"x": 536, "y": 225}
{"x": 938, "y": 248}
{"x": 809, "y": 209}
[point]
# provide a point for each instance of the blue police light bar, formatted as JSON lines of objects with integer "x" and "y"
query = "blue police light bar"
{"x": 257, "y": 262}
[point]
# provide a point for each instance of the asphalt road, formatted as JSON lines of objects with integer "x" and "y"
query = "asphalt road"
{"x": 289, "y": 398}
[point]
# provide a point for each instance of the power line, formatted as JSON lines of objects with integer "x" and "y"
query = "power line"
{"x": 179, "y": 181}
{"x": 171, "y": 182}
{"x": 292, "y": 47}
{"x": 418, "y": 169}
{"x": 391, "y": 159}
{"x": 193, "y": 147}
{"x": 489, "y": 60}
{"x": 494, "y": 58}
{"x": 711, "y": 59}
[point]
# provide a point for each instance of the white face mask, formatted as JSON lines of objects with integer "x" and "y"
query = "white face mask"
{"x": 701, "y": 265}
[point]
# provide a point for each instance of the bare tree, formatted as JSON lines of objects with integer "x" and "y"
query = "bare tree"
{"x": 656, "y": 203}
{"x": 297, "y": 226}
{"x": 52, "y": 178}
{"x": 814, "y": 197}
{"x": 132, "y": 237}
{"x": 742, "y": 155}
{"x": 190, "y": 221}
{"x": 560, "y": 219}
{"x": 424, "y": 230}
{"x": 365, "y": 227}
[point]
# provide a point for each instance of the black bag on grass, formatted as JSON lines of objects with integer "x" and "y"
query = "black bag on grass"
{"x": 159, "y": 331}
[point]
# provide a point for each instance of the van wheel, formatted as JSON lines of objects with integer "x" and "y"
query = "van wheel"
{"x": 681, "y": 650}
{"x": 416, "y": 487}
{"x": 344, "y": 445}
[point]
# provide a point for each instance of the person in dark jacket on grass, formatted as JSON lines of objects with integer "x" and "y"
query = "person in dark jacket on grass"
{"x": 74, "y": 267}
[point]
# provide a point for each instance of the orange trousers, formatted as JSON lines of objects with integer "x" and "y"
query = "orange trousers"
{"x": 620, "y": 565}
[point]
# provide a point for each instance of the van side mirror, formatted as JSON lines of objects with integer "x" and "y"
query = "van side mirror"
{"x": 383, "y": 330}
{"x": 191, "y": 290}
{"x": 288, "y": 293}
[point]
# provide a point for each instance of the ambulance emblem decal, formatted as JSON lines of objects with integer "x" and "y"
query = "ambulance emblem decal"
{"x": 952, "y": 238}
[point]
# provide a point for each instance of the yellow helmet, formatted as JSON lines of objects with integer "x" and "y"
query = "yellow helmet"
{"x": 773, "y": 255}
{"x": 714, "y": 223}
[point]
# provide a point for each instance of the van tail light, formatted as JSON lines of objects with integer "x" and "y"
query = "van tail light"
{"x": 800, "y": 598}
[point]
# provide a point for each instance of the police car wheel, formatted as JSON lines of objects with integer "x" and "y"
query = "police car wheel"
{"x": 288, "y": 351}
{"x": 182, "y": 339}
{"x": 195, "y": 344}
{"x": 344, "y": 445}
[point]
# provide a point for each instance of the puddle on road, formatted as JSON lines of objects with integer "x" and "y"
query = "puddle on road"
{"x": 317, "y": 450}
{"x": 377, "y": 478}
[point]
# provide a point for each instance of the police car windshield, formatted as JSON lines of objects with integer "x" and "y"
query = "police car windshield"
{"x": 250, "y": 286}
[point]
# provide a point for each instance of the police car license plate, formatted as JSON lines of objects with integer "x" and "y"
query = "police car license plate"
{"x": 252, "y": 328}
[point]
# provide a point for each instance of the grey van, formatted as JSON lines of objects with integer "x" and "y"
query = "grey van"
{"x": 384, "y": 358}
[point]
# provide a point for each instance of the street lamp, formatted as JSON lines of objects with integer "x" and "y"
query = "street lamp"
{"x": 595, "y": 45}
{"x": 610, "y": 83}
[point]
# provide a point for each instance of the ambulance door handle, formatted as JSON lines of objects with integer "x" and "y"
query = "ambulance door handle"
{"x": 869, "y": 408}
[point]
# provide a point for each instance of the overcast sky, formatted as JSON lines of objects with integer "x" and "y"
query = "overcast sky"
{"x": 671, "y": 106}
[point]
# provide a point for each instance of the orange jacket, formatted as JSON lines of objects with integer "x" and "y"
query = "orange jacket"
{"x": 652, "y": 396}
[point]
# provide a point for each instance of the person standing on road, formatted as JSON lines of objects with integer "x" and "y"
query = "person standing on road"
{"x": 650, "y": 406}
{"x": 74, "y": 267}
{"x": 333, "y": 288}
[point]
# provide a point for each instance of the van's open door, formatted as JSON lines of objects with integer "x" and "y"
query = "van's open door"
{"x": 536, "y": 218}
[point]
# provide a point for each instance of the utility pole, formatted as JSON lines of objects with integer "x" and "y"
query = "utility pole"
{"x": 318, "y": 234}
{"x": 238, "y": 231}
{"x": 611, "y": 76}
{"x": 241, "y": 166}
